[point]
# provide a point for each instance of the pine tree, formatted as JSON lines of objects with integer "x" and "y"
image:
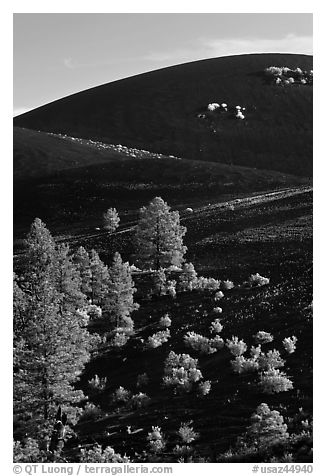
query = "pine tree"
{"x": 49, "y": 356}
{"x": 188, "y": 277}
{"x": 20, "y": 306}
{"x": 51, "y": 341}
{"x": 119, "y": 301}
{"x": 159, "y": 236}
{"x": 111, "y": 220}
{"x": 82, "y": 262}
{"x": 159, "y": 279}
{"x": 98, "y": 279}
{"x": 40, "y": 245}
{"x": 67, "y": 281}
{"x": 41, "y": 250}
{"x": 267, "y": 427}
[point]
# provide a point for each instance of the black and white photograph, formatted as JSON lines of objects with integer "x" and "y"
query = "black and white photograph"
{"x": 162, "y": 240}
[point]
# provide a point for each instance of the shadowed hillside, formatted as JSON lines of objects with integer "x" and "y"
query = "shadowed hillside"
{"x": 37, "y": 154}
{"x": 160, "y": 111}
{"x": 68, "y": 182}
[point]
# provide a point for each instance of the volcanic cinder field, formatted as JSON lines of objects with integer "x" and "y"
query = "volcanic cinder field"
{"x": 243, "y": 189}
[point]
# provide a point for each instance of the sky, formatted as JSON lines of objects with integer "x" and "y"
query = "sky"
{"x": 58, "y": 54}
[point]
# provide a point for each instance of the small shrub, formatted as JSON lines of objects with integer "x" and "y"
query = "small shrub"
{"x": 207, "y": 284}
{"x": 216, "y": 342}
{"x": 289, "y": 344}
{"x": 180, "y": 360}
{"x": 134, "y": 268}
{"x": 187, "y": 433}
{"x": 157, "y": 339}
{"x": 274, "y": 381}
{"x": 263, "y": 337}
{"x": 204, "y": 388}
{"x": 171, "y": 288}
{"x": 240, "y": 115}
{"x": 217, "y": 310}
{"x": 286, "y": 458}
{"x": 99, "y": 455}
{"x": 219, "y": 295}
{"x": 174, "y": 267}
{"x": 227, "y": 285}
{"x": 156, "y": 440}
{"x": 91, "y": 412}
{"x": 271, "y": 360}
{"x": 119, "y": 340}
{"x": 273, "y": 71}
{"x": 142, "y": 380}
{"x": 182, "y": 451}
{"x": 255, "y": 280}
{"x": 242, "y": 365}
{"x": 165, "y": 321}
{"x": 213, "y": 106}
{"x": 237, "y": 364}
{"x": 198, "y": 343}
{"x": 97, "y": 383}
{"x": 182, "y": 379}
{"x": 255, "y": 351}
{"x": 181, "y": 372}
{"x": 202, "y": 344}
{"x": 235, "y": 346}
{"x": 139, "y": 400}
{"x": 121, "y": 395}
{"x": 216, "y": 327}
{"x": 299, "y": 71}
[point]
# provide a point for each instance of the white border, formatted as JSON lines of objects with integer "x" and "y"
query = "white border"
{"x": 168, "y": 6}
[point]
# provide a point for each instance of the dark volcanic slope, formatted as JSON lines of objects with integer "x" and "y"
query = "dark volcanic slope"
{"x": 37, "y": 154}
{"x": 64, "y": 182}
{"x": 40, "y": 156}
{"x": 159, "y": 111}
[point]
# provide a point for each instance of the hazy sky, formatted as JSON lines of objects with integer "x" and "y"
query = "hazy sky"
{"x": 59, "y": 54}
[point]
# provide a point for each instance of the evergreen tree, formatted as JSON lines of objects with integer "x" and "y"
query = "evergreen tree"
{"x": 188, "y": 277}
{"x": 40, "y": 253}
{"x": 267, "y": 427}
{"x": 20, "y": 307}
{"x": 98, "y": 279}
{"x": 111, "y": 220}
{"x": 119, "y": 301}
{"x": 49, "y": 356}
{"x": 159, "y": 279}
{"x": 51, "y": 343}
{"x": 82, "y": 262}
{"x": 67, "y": 281}
{"x": 40, "y": 245}
{"x": 159, "y": 236}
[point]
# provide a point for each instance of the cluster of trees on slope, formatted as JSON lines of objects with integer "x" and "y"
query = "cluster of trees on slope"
{"x": 158, "y": 236}
{"x": 56, "y": 296}
{"x": 51, "y": 340}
